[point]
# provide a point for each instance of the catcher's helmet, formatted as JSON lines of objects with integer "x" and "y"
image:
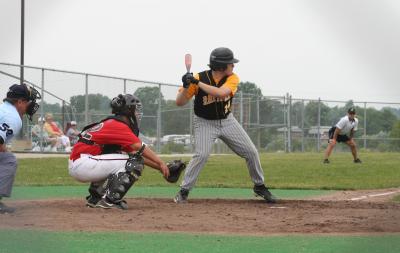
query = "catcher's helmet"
{"x": 125, "y": 104}
{"x": 128, "y": 105}
{"x": 220, "y": 57}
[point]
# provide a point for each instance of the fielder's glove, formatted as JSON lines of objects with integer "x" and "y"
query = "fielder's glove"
{"x": 175, "y": 169}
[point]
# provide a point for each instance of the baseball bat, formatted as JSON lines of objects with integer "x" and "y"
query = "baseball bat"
{"x": 188, "y": 62}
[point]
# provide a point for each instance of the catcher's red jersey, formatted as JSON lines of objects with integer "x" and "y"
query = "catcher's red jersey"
{"x": 108, "y": 132}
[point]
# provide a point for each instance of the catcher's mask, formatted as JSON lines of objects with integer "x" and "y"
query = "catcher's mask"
{"x": 28, "y": 93}
{"x": 130, "y": 106}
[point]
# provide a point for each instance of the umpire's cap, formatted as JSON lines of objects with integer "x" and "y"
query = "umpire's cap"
{"x": 19, "y": 91}
{"x": 22, "y": 91}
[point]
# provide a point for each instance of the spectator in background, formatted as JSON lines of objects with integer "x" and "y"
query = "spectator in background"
{"x": 49, "y": 144}
{"x": 71, "y": 132}
{"x": 54, "y": 131}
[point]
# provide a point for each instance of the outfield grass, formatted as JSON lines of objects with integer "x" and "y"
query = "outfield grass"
{"x": 283, "y": 171}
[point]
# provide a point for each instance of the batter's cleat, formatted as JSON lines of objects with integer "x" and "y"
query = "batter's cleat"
{"x": 357, "y": 161}
{"x": 105, "y": 204}
{"x": 6, "y": 209}
{"x": 326, "y": 161}
{"x": 262, "y": 191}
{"x": 181, "y": 196}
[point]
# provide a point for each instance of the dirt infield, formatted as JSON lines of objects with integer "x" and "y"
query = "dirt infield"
{"x": 249, "y": 217}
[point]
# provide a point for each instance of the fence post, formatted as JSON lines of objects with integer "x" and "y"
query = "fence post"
{"x": 86, "y": 99}
{"x": 63, "y": 114}
{"x": 159, "y": 120}
{"x": 285, "y": 125}
{"x": 124, "y": 86}
{"x": 241, "y": 108}
{"x": 289, "y": 128}
{"x": 319, "y": 125}
{"x": 302, "y": 125}
{"x": 365, "y": 125}
{"x": 258, "y": 121}
{"x": 41, "y": 113}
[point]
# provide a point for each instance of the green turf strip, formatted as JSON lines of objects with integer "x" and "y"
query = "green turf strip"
{"x": 18, "y": 241}
{"x": 40, "y": 192}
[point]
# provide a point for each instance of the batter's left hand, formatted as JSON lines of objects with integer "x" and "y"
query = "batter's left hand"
{"x": 188, "y": 79}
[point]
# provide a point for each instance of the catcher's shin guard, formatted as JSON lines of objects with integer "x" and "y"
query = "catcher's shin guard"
{"x": 117, "y": 185}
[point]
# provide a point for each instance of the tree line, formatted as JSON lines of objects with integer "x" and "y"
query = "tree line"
{"x": 175, "y": 120}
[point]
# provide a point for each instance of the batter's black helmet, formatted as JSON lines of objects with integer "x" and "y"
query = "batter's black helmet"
{"x": 222, "y": 56}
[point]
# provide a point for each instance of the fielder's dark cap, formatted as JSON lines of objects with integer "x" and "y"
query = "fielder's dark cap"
{"x": 351, "y": 110}
{"x": 19, "y": 91}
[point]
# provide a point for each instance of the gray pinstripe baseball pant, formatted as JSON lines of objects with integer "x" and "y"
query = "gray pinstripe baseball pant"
{"x": 8, "y": 169}
{"x": 229, "y": 131}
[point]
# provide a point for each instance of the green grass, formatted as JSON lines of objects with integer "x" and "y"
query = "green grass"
{"x": 396, "y": 198}
{"x": 19, "y": 241}
{"x": 284, "y": 171}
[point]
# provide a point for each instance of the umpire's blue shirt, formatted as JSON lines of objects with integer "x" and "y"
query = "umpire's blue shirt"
{"x": 10, "y": 121}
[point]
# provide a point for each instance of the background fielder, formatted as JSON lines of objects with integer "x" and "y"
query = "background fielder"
{"x": 343, "y": 131}
{"x": 213, "y": 91}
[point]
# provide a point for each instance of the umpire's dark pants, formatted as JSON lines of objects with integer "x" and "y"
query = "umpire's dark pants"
{"x": 8, "y": 169}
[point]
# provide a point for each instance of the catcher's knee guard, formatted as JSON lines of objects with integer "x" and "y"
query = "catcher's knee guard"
{"x": 117, "y": 185}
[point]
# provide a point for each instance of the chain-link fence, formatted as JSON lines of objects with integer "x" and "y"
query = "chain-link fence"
{"x": 274, "y": 123}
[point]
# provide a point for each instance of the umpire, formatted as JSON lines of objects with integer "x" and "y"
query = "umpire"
{"x": 343, "y": 131}
{"x": 20, "y": 100}
{"x": 214, "y": 90}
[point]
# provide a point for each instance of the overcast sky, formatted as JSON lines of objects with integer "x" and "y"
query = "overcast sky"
{"x": 333, "y": 49}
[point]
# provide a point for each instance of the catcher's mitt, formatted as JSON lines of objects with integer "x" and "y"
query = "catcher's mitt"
{"x": 175, "y": 169}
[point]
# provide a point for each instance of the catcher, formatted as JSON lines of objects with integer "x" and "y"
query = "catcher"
{"x": 111, "y": 157}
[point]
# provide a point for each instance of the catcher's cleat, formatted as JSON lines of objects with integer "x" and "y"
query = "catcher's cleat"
{"x": 181, "y": 196}
{"x": 326, "y": 161}
{"x": 262, "y": 191}
{"x": 357, "y": 161}
{"x": 6, "y": 209}
{"x": 105, "y": 204}
{"x": 92, "y": 201}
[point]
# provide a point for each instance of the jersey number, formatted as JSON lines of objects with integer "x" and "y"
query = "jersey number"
{"x": 6, "y": 128}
